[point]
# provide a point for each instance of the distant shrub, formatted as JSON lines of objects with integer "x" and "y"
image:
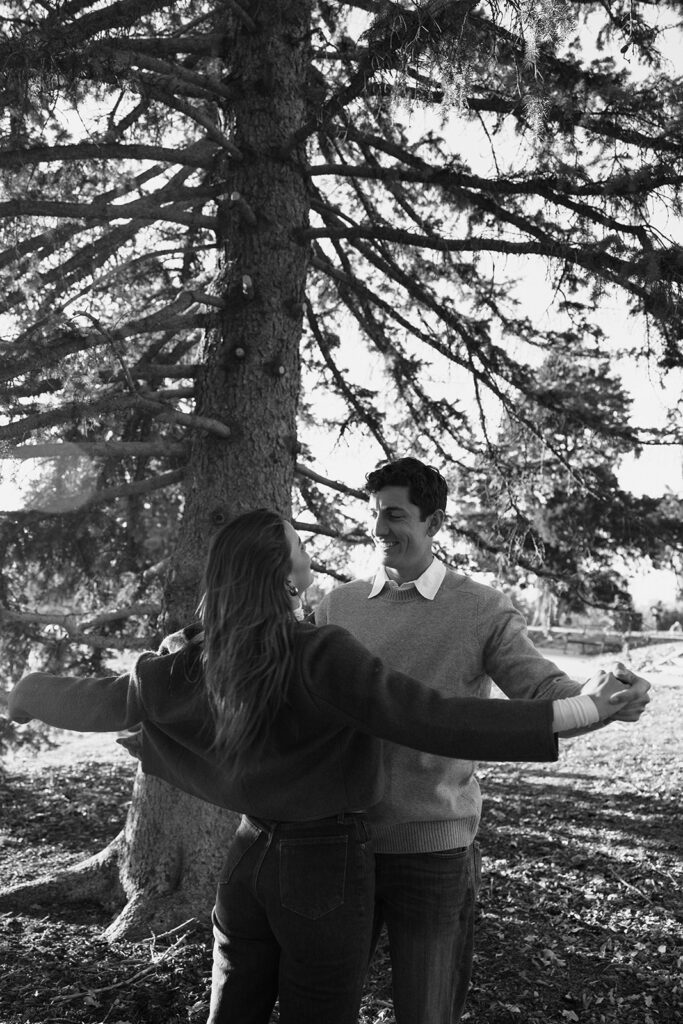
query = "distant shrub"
{"x": 12, "y": 736}
{"x": 669, "y": 617}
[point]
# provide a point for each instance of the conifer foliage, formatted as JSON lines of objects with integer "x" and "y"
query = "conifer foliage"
{"x": 227, "y": 225}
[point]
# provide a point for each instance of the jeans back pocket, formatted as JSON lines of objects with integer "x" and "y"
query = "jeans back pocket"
{"x": 313, "y": 874}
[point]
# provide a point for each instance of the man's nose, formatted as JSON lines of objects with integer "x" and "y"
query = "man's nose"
{"x": 379, "y": 527}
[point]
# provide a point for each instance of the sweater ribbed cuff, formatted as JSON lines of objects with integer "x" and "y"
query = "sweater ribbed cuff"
{"x": 574, "y": 713}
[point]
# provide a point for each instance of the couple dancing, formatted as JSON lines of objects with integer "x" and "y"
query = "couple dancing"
{"x": 283, "y": 721}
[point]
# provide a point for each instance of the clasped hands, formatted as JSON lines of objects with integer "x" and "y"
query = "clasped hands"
{"x": 621, "y": 688}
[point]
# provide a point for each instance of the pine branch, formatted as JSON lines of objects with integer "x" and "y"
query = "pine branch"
{"x": 366, "y": 415}
{"x": 175, "y": 77}
{"x": 424, "y": 403}
{"x": 597, "y": 124}
{"x": 170, "y": 318}
{"x": 384, "y": 54}
{"x": 30, "y": 156}
{"x": 140, "y": 209}
{"x": 71, "y": 341}
{"x": 403, "y": 372}
{"x": 593, "y": 258}
{"x": 70, "y": 413}
{"x": 461, "y": 186}
{"x": 205, "y": 423}
{"x": 79, "y": 410}
{"x": 52, "y": 240}
{"x": 118, "y": 16}
{"x": 210, "y": 45}
{"x": 551, "y": 247}
{"x": 621, "y": 185}
{"x": 352, "y": 282}
{"x": 301, "y": 470}
{"x": 471, "y": 332}
{"x": 83, "y": 263}
{"x": 75, "y": 624}
{"x": 354, "y": 536}
{"x": 153, "y": 371}
{"x": 194, "y": 113}
{"x": 96, "y": 449}
{"x": 100, "y": 497}
{"x": 79, "y": 620}
{"x": 319, "y": 567}
{"x": 483, "y": 361}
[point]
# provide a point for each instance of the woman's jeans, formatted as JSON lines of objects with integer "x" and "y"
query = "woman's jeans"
{"x": 293, "y": 920}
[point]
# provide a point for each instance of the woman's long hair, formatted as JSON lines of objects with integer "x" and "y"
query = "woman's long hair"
{"x": 248, "y": 626}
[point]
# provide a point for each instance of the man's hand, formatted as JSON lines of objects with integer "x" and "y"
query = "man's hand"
{"x": 638, "y": 694}
{"x": 629, "y": 704}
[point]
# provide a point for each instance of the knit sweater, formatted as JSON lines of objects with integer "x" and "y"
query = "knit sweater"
{"x": 457, "y": 643}
{"x": 322, "y": 755}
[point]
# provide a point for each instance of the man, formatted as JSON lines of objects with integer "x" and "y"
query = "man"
{"x": 456, "y": 635}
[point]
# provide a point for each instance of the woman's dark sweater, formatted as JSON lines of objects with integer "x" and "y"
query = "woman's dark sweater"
{"x": 323, "y": 753}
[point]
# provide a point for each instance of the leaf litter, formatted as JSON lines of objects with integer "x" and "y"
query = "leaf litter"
{"x": 579, "y": 920}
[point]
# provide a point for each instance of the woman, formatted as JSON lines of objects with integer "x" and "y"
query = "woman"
{"x": 274, "y": 718}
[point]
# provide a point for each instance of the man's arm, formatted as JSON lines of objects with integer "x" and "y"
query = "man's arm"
{"x": 512, "y": 660}
{"x": 521, "y": 671}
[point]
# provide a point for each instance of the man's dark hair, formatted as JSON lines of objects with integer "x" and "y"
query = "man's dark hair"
{"x": 426, "y": 487}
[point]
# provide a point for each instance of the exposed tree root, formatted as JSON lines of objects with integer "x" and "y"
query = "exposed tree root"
{"x": 95, "y": 879}
{"x": 147, "y": 913}
{"x": 160, "y": 870}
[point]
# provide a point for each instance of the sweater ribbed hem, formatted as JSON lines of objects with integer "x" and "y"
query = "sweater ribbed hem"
{"x": 424, "y": 836}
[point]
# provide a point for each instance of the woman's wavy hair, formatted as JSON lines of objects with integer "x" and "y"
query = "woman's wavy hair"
{"x": 248, "y": 628}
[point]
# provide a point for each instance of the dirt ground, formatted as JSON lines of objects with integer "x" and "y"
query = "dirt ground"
{"x": 580, "y": 916}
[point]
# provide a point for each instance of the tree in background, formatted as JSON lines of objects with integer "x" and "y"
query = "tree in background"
{"x": 556, "y": 508}
{"x": 210, "y": 209}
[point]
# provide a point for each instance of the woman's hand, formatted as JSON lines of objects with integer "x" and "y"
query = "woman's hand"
{"x": 619, "y": 695}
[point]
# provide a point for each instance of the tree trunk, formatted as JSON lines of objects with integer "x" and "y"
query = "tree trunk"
{"x": 164, "y": 863}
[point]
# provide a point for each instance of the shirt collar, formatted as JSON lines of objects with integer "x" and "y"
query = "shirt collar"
{"x": 427, "y": 584}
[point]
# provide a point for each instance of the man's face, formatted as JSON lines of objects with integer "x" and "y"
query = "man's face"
{"x": 402, "y": 537}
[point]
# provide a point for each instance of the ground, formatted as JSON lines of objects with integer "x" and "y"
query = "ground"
{"x": 580, "y": 916}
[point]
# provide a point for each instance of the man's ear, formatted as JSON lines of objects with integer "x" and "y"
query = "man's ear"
{"x": 436, "y": 521}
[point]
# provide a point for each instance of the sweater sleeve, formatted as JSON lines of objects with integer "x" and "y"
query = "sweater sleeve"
{"x": 512, "y": 660}
{"x": 99, "y": 704}
{"x": 353, "y": 687}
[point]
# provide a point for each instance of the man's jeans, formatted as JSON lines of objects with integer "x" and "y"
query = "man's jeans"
{"x": 293, "y": 918}
{"x": 427, "y": 901}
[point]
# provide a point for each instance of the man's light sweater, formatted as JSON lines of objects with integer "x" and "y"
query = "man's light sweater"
{"x": 457, "y": 643}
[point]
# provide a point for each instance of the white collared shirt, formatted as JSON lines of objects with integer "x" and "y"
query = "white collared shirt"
{"x": 427, "y": 584}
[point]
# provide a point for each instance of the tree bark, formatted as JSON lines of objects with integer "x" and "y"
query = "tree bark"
{"x": 164, "y": 863}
